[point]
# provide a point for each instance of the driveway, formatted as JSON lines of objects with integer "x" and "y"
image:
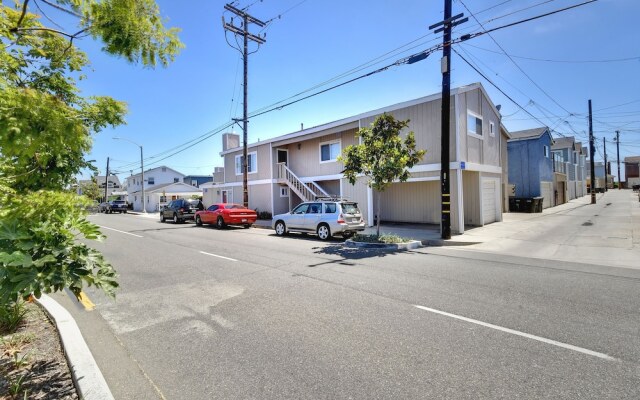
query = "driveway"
{"x": 605, "y": 233}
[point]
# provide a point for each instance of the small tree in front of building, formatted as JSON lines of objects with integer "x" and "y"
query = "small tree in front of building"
{"x": 382, "y": 156}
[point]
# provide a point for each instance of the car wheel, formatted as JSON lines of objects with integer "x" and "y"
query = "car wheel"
{"x": 323, "y": 231}
{"x": 161, "y": 217}
{"x": 198, "y": 220}
{"x": 348, "y": 235}
{"x": 125, "y": 212}
{"x": 220, "y": 223}
{"x": 247, "y": 226}
{"x": 281, "y": 229}
{"x": 176, "y": 220}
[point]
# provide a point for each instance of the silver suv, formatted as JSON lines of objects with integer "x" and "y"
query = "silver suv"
{"x": 325, "y": 216}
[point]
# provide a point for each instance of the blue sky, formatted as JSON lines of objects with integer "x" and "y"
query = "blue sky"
{"x": 314, "y": 41}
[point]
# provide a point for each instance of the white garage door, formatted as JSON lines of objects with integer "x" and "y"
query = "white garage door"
{"x": 546, "y": 189}
{"x": 488, "y": 201}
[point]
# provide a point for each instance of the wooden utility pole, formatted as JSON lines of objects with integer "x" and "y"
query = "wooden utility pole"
{"x": 445, "y": 66}
{"x": 618, "y": 158}
{"x": 106, "y": 181}
{"x": 244, "y": 32}
{"x": 606, "y": 169}
{"x": 592, "y": 150}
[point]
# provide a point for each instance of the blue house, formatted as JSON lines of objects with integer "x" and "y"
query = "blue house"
{"x": 197, "y": 180}
{"x": 530, "y": 164}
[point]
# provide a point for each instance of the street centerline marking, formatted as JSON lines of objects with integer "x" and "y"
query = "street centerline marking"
{"x": 215, "y": 255}
{"x": 518, "y": 333}
{"x": 117, "y": 230}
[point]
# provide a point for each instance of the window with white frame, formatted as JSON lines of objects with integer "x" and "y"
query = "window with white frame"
{"x": 329, "y": 151}
{"x": 151, "y": 180}
{"x": 194, "y": 183}
{"x": 546, "y": 151}
{"x": 284, "y": 192}
{"x": 474, "y": 124}
{"x": 176, "y": 180}
{"x": 252, "y": 163}
{"x": 492, "y": 128}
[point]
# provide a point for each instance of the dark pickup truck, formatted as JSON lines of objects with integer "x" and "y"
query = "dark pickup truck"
{"x": 117, "y": 206}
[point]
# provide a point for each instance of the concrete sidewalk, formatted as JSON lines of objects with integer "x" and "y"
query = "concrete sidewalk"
{"x": 605, "y": 233}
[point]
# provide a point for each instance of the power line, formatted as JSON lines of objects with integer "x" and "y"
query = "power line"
{"x": 497, "y": 87}
{"x": 513, "y": 61}
{"x": 474, "y": 35}
{"x": 612, "y": 60}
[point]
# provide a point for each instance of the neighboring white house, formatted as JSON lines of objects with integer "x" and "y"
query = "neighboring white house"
{"x": 112, "y": 183}
{"x": 159, "y": 195}
{"x": 160, "y": 183}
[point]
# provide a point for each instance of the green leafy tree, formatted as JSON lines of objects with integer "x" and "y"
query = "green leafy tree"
{"x": 382, "y": 156}
{"x": 90, "y": 189}
{"x": 46, "y": 129}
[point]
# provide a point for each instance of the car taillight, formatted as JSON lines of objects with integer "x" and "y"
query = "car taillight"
{"x": 340, "y": 219}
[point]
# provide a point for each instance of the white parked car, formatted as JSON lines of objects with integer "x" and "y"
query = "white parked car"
{"x": 326, "y": 216}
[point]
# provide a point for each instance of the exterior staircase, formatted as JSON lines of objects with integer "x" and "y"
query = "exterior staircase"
{"x": 306, "y": 191}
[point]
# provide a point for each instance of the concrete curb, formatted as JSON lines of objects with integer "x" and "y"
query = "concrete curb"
{"x": 85, "y": 372}
{"x": 447, "y": 242}
{"x": 414, "y": 244}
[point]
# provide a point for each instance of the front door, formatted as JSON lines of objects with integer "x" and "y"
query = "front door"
{"x": 283, "y": 156}
{"x": 227, "y": 195}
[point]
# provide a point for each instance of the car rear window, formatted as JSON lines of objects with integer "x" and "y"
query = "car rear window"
{"x": 329, "y": 208}
{"x": 350, "y": 208}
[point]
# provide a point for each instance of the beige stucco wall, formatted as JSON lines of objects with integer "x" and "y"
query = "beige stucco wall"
{"x": 305, "y": 160}
{"x": 424, "y": 121}
{"x": 357, "y": 193}
{"x": 473, "y": 149}
{"x": 471, "y": 195}
{"x": 280, "y": 204}
{"x": 417, "y": 202}
{"x": 263, "y": 158}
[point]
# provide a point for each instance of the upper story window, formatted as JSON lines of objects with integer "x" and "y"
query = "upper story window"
{"x": 194, "y": 183}
{"x": 546, "y": 151}
{"x": 492, "y": 129}
{"x": 474, "y": 124}
{"x": 252, "y": 163}
{"x": 329, "y": 151}
{"x": 151, "y": 180}
{"x": 176, "y": 180}
{"x": 164, "y": 169}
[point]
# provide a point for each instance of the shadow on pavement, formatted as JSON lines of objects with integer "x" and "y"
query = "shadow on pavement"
{"x": 348, "y": 254}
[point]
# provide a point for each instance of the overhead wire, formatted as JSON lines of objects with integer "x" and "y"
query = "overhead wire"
{"x": 275, "y": 106}
{"x": 513, "y": 61}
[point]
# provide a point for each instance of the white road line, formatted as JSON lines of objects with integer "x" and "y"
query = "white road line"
{"x": 514, "y": 332}
{"x": 126, "y": 233}
{"x": 215, "y": 255}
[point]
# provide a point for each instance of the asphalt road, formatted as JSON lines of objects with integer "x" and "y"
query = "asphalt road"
{"x": 243, "y": 314}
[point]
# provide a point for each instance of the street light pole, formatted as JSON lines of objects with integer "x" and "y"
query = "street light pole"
{"x": 144, "y": 208}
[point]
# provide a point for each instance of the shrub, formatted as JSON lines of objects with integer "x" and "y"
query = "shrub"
{"x": 384, "y": 238}
{"x": 11, "y": 315}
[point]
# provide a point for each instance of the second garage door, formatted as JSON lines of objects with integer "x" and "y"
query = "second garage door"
{"x": 489, "y": 213}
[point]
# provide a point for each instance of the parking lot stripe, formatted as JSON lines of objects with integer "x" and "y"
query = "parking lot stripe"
{"x": 215, "y": 255}
{"x": 117, "y": 230}
{"x": 518, "y": 333}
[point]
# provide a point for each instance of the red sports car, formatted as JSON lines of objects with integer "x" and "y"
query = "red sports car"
{"x": 223, "y": 214}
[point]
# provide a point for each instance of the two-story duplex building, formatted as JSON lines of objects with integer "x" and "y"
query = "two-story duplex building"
{"x": 569, "y": 152}
{"x": 161, "y": 185}
{"x": 531, "y": 165}
{"x": 632, "y": 171}
{"x": 299, "y": 166}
